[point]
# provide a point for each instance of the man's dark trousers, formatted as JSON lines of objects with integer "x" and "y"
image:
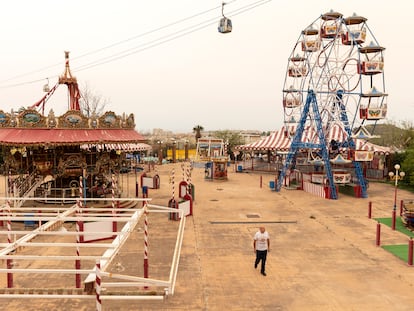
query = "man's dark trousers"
{"x": 261, "y": 256}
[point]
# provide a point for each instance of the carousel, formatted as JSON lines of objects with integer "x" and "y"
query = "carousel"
{"x": 44, "y": 155}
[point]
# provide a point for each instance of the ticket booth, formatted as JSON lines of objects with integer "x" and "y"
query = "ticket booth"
{"x": 216, "y": 169}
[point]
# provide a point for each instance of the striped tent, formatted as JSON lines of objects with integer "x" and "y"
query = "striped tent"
{"x": 279, "y": 141}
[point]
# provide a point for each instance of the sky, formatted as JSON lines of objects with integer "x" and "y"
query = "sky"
{"x": 165, "y": 61}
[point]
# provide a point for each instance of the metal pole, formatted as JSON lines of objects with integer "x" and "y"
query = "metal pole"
{"x": 394, "y": 210}
{"x": 114, "y": 225}
{"x": 136, "y": 183}
{"x": 378, "y": 237}
{"x": 98, "y": 286}
{"x": 369, "y": 209}
{"x": 79, "y": 228}
{"x": 410, "y": 251}
{"x": 9, "y": 262}
{"x": 146, "y": 242}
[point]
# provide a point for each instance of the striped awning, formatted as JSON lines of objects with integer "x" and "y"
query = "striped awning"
{"x": 279, "y": 141}
{"x": 122, "y": 147}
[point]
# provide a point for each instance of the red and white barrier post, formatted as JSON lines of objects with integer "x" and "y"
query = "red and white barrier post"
{"x": 9, "y": 262}
{"x": 98, "y": 286}
{"x": 146, "y": 242}
{"x": 172, "y": 203}
{"x": 79, "y": 228}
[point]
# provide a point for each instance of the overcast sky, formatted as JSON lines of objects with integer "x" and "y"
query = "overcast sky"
{"x": 231, "y": 81}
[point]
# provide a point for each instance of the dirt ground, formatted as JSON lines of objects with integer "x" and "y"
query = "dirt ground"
{"x": 323, "y": 254}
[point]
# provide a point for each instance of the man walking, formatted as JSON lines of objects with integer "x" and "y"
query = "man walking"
{"x": 261, "y": 245}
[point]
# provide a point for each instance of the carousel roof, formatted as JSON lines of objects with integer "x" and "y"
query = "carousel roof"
{"x": 60, "y": 136}
{"x": 29, "y": 127}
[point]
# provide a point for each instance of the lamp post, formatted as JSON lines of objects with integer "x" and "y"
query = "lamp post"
{"x": 186, "y": 150}
{"x": 159, "y": 152}
{"x": 396, "y": 177}
{"x": 174, "y": 150}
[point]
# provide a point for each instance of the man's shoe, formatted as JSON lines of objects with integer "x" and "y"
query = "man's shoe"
{"x": 255, "y": 265}
{"x": 263, "y": 273}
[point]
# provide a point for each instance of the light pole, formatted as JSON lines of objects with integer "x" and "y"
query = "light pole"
{"x": 396, "y": 177}
{"x": 186, "y": 150}
{"x": 159, "y": 152}
{"x": 174, "y": 150}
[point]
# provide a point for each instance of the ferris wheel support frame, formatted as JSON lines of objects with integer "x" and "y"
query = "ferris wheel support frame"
{"x": 297, "y": 144}
{"x": 351, "y": 145}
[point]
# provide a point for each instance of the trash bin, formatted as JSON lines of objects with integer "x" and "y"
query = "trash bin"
{"x": 272, "y": 184}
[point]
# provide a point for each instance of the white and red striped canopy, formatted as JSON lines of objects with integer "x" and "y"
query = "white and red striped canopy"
{"x": 279, "y": 141}
{"x": 123, "y": 147}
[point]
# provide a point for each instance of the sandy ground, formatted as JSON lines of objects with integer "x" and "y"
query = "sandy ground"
{"x": 323, "y": 254}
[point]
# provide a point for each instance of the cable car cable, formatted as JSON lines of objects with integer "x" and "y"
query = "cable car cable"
{"x": 140, "y": 48}
{"x": 166, "y": 38}
{"x": 113, "y": 44}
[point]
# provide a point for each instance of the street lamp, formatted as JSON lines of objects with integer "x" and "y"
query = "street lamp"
{"x": 396, "y": 177}
{"x": 159, "y": 152}
{"x": 174, "y": 150}
{"x": 186, "y": 150}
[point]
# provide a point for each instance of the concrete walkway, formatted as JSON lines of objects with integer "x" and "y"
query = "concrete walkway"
{"x": 323, "y": 254}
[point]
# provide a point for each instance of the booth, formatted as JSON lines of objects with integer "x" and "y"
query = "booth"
{"x": 151, "y": 182}
{"x": 216, "y": 169}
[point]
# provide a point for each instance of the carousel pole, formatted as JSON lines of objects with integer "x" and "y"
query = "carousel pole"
{"x": 114, "y": 224}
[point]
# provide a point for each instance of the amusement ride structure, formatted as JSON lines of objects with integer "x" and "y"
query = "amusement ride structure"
{"x": 334, "y": 88}
{"x": 51, "y": 161}
{"x": 58, "y": 150}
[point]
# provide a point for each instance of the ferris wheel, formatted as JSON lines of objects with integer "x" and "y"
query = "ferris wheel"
{"x": 334, "y": 87}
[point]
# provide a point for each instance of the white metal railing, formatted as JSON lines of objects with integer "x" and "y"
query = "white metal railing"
{"x": 56, "y": 216}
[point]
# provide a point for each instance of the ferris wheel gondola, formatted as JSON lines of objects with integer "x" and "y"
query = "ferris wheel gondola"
{"x": 225, "y": 25}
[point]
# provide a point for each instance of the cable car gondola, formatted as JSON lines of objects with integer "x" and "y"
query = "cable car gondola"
{"x": 225, "y": 25}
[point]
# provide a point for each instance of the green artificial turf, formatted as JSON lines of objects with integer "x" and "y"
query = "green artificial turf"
{"x": 399, "y": 226}
{"x": 399, "y": 250}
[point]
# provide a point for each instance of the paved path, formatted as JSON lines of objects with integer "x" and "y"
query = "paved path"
{"x": 323, "y": 254}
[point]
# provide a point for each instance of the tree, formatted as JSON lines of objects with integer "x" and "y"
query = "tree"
{"x": 231, "y": 138}
{"x": 391, "y": 134}
{"x": 91, "y": 103}
{"x": 197, "y": 130}
{"x": 407, "y": 166}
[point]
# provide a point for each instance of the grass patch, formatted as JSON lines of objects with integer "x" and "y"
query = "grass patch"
{"x": 399, "y": 250}
{"x": 399, "y": 226}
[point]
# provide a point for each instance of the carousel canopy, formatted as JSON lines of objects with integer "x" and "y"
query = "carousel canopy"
{"x": 124, "y": 147}
{"x": 279, "y": 141}
{"x": 29, "y": 127}
{"x": 36, "y": 136}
